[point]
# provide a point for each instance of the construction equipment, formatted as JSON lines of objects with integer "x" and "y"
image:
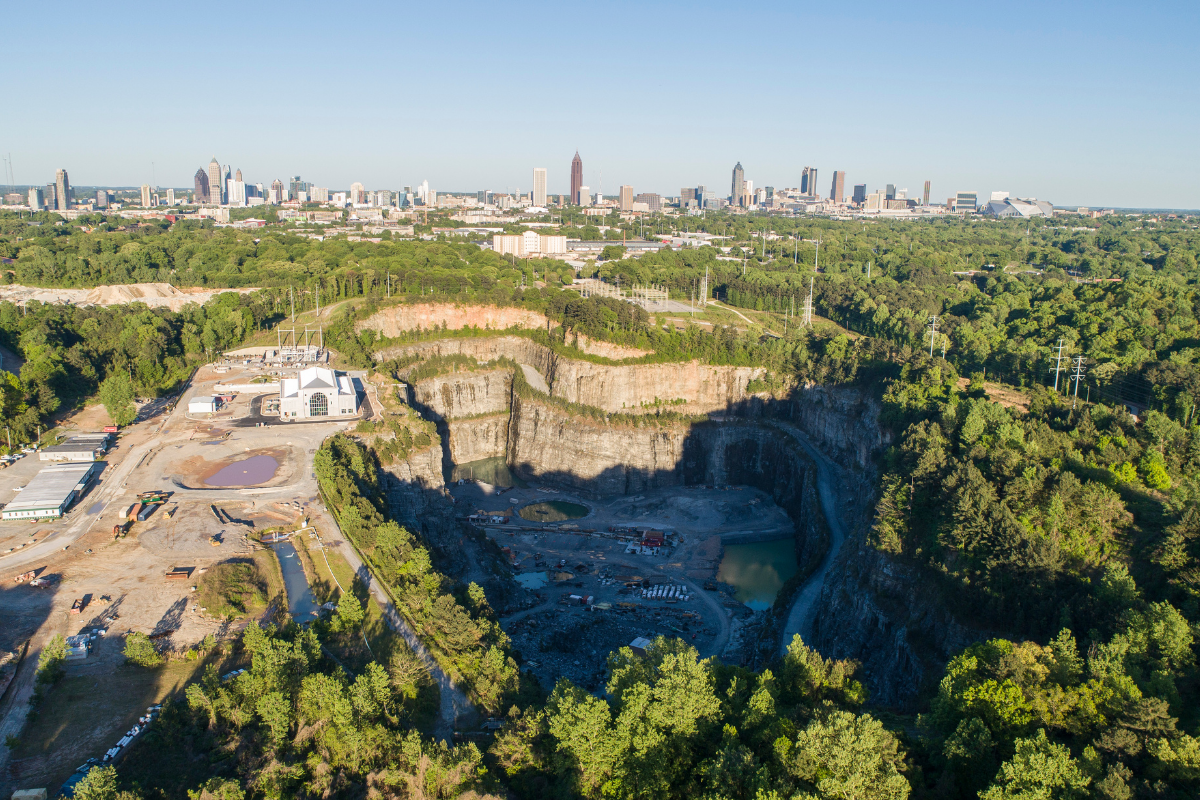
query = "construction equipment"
{"x": 214, "y": 541}
{"x": 155, "y": 497}
{"x": 77, "y": 606}
{"x": 25, "y": 576}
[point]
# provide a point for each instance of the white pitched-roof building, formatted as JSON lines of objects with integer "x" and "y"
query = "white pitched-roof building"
{"x": 317, "y": 392}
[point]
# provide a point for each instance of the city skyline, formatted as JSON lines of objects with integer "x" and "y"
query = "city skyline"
{"x": 982, "y": 126}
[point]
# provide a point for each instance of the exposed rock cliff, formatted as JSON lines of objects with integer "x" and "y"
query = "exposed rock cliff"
{"x": 416, "y": 498}
{"x": 465, "y": 394}
{"x": 479, "y": 437}
{"x": 631, "y": 389}
{"x": 427, "y": 316}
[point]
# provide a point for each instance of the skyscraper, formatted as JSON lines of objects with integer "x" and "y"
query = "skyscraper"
{"x": 625, "y": 198}
{"x": 891, "y": 192}
{"x": 62, "y": 190}
{"x": 539, "y": 187}
{"x": 738, "y": 190}
{"x": 860, "y": 193}
{"x": 145, "y": 195}
{"x": 37, "y": 198}
{"x": 926, "y": 202}
{"x": 201, "y": 186}
{"x": 837, "y": 192}
{"x": 576, "y": 179}
{"x": 215, "y": 195}
{"x": 808, "y": 181}
{"x": 170, "y": 197}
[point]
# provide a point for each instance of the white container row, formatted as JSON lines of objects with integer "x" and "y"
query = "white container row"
{"x": 667, "y": 591}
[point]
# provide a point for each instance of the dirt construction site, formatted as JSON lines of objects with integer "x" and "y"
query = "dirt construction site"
{"x": 102, "y": 569}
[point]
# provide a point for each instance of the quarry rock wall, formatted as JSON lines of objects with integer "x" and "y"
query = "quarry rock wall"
{"x": 416, "y": 498}
{"x": 393, "y": 321}
{"x": 627, "y": 388}
{"x": 478, "y": 438}
{"x": 465, "y": 394}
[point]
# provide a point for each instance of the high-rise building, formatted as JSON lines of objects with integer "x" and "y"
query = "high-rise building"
{"x": 145, "y": 195}
{"x": 890, "y": 194}
{"x": 837, "y": 192}
{"x": 296, "y": 186}
{"x": 276, "y": 196}
{"x": 236, "y": 190}
{"x": 737, "y": 192}
{"x": 926, "y": 200}
{"x": 37, "y": 198}
{"x": 652, "y": 200}
{"x": 62, "y": 190}
{"x": 577, "y": 180}
{"x": 808, "y": 181}
{"x": 538, "y": 196}
{"x": 585, "y": 196}
{"x": 201, "y": 180}
{"x": 966, "y": 201}
{"x": 170, "y": 197}
{"x": 215, "y": 195}
{"x": 686, "y": 196}
{"x": 860, "y": 193}
{"x": 625, "y": 198}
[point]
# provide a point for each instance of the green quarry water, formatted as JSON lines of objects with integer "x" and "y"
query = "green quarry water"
{"x": 553, "y": 511}
{"x": 758, "y": 570}
{"x": 489, "y": 470}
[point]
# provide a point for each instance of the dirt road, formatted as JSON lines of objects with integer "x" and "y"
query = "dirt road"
{"x": 800, "y": 616}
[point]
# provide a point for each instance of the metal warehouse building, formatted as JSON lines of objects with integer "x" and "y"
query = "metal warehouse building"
{"x": 84, "y": 447}
{"x": 52, "y": 491}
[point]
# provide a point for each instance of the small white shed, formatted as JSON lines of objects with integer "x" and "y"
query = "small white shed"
{"x": 202, "y": 405}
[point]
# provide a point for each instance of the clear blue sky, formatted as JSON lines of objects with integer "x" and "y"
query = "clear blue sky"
{"x": 1073, "y": 102}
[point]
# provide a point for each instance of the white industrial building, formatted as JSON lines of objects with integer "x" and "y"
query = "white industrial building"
{"x": 52, "y": 491}
{"x": 84, "y": 447}
{"x": 202, "y": 405}
{"x": 317, "y": 392}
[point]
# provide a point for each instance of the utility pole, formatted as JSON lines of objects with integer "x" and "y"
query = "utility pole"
{"x": 1058, "y": 364}
{"x": 808, "y": 305}
{"x": 932, "y": 332}
{"x": 292, "y": 295}
{"x": 945, "y": 341}
{"x": 1077, "y": 375}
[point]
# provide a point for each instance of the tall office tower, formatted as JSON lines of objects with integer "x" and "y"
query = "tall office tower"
{"x": 215, "y": 195}
{"x": 539, "y": 187}
{"x": 737, "y": 191}
{"x": 236, "y": 189}
{"x": 201, "y": 181}
{"x": 891, "y": 192}
{"x": 585, "y": 196}
{"x": 926, "y": 202}
{"x": 577, "y": 180}
{"x": 62, "y": 190}
{"x": 51, "y": 197}
{"x": 808, "y": 182}
{"x": 860, "y": 193}
{"x": 145, "y": 195}
{"x": 37, "y": 198}
{"x": 170, "y": 197}
{"x": 625, "y": 198}
{"x": 686, "y": 196}
{"x": 837, "y": 192}
{"x": 276, "y": 192}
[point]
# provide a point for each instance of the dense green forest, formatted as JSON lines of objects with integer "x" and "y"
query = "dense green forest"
{"x": 1068, "y": 529}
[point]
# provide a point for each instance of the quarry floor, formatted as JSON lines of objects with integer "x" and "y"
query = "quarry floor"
{"x": 559, "y": 637}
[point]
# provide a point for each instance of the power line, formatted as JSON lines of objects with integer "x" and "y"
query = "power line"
{"x": 1077, "y": 375}
{"x": 1058, "y": 364}
{"x": 932, "y": 332}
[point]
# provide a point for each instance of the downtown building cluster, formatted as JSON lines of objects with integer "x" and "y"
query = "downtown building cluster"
{"x": 217, "y": 188}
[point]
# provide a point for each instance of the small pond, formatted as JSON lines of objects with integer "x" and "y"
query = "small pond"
{"x": 248, "y": 472}
{"x": 301, "y": 603}
{"x": 553, "y": 511}
{"x": 533, "y": 580}
{"x": 758, "y": 570}
{"x": 489, "y": 470}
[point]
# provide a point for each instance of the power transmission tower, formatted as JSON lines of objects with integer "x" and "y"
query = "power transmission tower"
{"x": 1058, "y": 364}
{"x": 1077, "y": 375}
{"x": 932, "y": 332}
{"x": 808, "y": 305}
